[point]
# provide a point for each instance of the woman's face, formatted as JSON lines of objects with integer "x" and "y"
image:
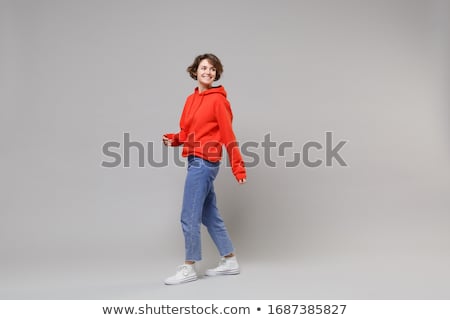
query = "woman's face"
{"x": 206, "y": 73}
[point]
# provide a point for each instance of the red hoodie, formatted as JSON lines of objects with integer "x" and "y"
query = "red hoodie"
{"x": 205, "y": 126}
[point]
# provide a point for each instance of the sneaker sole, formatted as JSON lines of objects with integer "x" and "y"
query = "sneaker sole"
{"x": 222, "y": 273}
{"x": 188, "y": 279}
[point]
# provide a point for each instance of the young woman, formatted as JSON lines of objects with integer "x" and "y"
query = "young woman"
{"x": 205, "y": 126}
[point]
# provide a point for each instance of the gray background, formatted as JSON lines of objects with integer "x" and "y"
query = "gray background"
{"x": 77, "y": 74}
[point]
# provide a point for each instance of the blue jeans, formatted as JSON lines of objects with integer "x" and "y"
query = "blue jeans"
{"x": 199, "y": 206}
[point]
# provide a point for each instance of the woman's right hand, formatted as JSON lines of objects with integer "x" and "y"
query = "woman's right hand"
{"x": 167, "y": 141}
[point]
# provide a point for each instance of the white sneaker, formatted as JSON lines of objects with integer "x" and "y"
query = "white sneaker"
{"x": 185, "y": 273}
{"x": 227, "y": 266}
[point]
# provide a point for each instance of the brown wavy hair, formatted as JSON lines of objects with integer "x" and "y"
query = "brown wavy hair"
{"x": 213, "y": 59}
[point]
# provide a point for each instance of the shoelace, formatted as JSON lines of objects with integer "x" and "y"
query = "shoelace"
{"x": 183, "y": 268}
{"x": 222, "y": 262}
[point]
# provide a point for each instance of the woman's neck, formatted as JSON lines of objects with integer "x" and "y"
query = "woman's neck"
{"x": 202, "y": 88}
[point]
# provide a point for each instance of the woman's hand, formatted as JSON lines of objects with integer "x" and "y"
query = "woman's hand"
{"x": 167, "y": 141}
{"x": 242, "y": 181}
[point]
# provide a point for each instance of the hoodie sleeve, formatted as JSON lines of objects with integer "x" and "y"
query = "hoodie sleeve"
{"x": 179, "y": 137}
{"x": 224, "y": 118}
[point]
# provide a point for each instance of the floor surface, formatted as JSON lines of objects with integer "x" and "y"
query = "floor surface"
{"x": 420, "y": 276}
